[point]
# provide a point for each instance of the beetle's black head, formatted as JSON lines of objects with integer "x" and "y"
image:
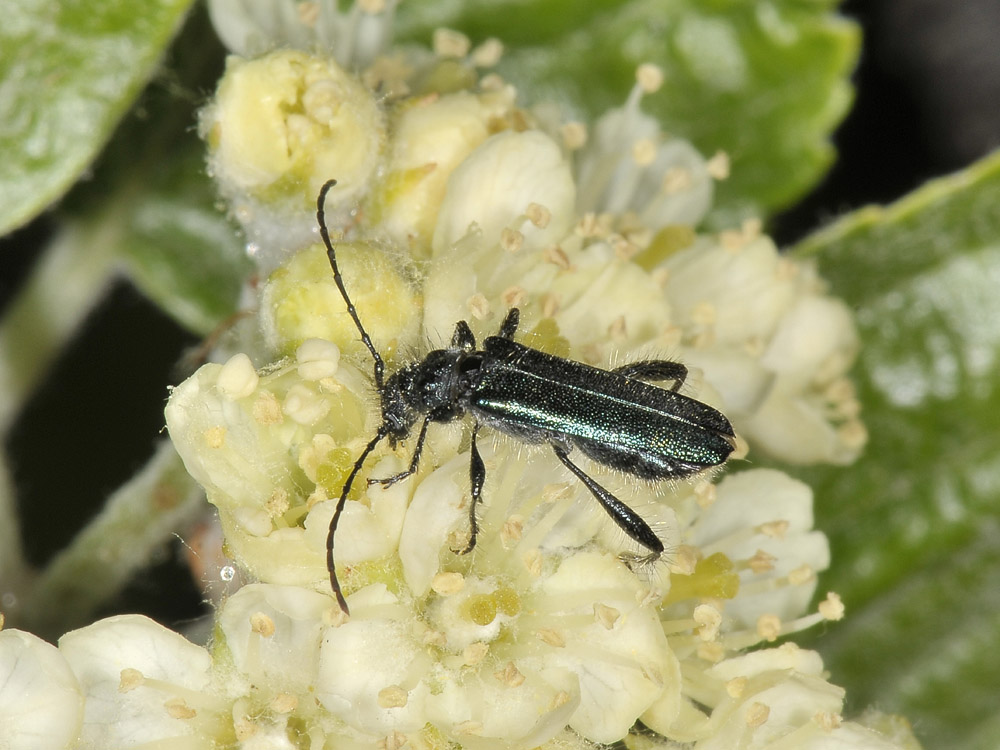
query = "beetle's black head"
{"x": 398, "y": 414}
{"x": 435, "y": 386}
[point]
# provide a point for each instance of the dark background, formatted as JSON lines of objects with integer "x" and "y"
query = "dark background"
{"x": 928, "y": 103}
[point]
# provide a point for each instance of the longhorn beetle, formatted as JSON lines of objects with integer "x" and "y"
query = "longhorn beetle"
{"x": 613, "y": 416}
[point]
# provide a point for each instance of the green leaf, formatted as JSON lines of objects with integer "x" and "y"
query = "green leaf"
{"x": 914, "y": 524}
{"x": 765, "y": 82}
{"x": 180, "y": 249}
{"x": 153, "y": 201}
{"x": 69, "y": 71}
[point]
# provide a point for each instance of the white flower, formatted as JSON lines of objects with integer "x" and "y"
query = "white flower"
{"x": 492, "y": 652}
{"x": 557, "y": 626}
{"x": 541, "y": 627}
{"x": 468, "y": 206}
{"x": 562, "y": 292}
{"x": 763, "y": 519}
{"x": 496, "y": 187}
{"x": 432, "y": 135}
{"x": 629, "y": 165}
{"x": 772, "y": 342}
{"x": 355, "y": 38}
{"x": 300, "y": 301}
{"x": 271, "y": 457}
{"x": 777, "y": 698}
{"x": 423, "y": 169}
{"x": 273, "y": 634}
{"x": 374, "y": 672}
{"x": 142, "y": 684}
{"x": 810, "y": 397}
{"x": 41, "y": 703}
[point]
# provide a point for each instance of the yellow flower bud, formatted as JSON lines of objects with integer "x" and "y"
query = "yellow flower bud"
{"x": 301, "y": 301}
{"x": 283, "y": 124}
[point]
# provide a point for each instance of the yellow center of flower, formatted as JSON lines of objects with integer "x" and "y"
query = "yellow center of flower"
{"x": 332, "y": 473}
{"x": 665, "y": 243}
{"x": 483, "y": 609}
{"x": 546, "y": 336}
{"x": 713, "y": 577}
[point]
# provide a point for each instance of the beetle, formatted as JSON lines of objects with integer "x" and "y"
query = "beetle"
{"x": 614, "y": 417}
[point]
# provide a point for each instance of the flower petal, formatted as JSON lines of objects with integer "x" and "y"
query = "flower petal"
{"x": 132, "y": 671}
{"x": 496, "y": 184}
{"x": 41, "y": 704}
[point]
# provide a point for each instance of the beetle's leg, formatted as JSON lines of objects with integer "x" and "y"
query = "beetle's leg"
{"x": 463, "y": 338}
{"x": 655, "y": 369}
{"x": 334, "y": 583}
{"x": 477, "y": 476}
{"x": 627, "y": 519}
{"x": 414, "y": 462}
{"x": 509, "y": 326}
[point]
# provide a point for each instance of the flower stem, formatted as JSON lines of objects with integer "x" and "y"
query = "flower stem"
{"x": 137, "y": 519}
{"x": 69, "y": 280}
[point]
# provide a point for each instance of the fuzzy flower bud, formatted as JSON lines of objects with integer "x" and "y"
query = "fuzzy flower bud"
{"x": 300, "y": 300}
{"x": 269, "y": 459}
{"x": 279, "y": 127}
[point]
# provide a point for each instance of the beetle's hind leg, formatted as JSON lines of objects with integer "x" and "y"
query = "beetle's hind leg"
{"x": 414, "y": 462}
{"x": 654, "y": 370}
{"x": 477, "y": 477}
{"x": 627, "y": 519}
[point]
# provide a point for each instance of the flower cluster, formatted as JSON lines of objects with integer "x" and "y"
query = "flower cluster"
{"x": 456, "y": 202}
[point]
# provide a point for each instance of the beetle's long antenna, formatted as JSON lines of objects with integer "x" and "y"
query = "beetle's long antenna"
{"x": 334, "y": 583}
{"x": 332, "y": 255}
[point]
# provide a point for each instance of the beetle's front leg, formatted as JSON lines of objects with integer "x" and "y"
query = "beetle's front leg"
{"x": 655, "y": 369}
{"x": 414, "y": 462}
{"x": 477, "y": 476}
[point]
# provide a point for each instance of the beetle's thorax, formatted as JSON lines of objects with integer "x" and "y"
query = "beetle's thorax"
{"x": 438, "y": 386}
